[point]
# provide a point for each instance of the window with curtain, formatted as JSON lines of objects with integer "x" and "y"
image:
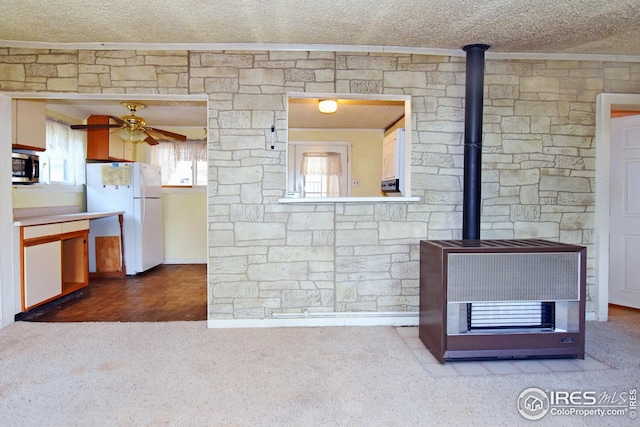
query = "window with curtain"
{"x": 183, "y": 163}
{"x": 318, "y": 169}
{"x": 64, "y": 160}
{"x": 321, "y": 172}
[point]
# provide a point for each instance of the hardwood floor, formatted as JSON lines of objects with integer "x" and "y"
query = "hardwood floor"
{"x": 620, "y": 311}
{"x": 168, "y": 292}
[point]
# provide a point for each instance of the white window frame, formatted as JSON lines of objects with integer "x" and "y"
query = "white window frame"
{"x": 295, "y": 150}
{"x": 81, "y": 155}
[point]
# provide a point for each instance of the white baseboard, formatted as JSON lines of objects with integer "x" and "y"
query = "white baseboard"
{"x": 330, "y": 319}
{"x": 320, "y": 319}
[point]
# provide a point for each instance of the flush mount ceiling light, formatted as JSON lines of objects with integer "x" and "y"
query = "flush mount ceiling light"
{"x": 328, "y": 106}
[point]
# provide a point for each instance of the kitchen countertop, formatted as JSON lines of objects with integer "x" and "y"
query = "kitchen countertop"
{"x": 53, "y": 219}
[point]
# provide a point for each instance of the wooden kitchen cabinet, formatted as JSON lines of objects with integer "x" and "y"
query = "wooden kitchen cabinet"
{"x": 55, "y": 261}
{"x": 104, "y": 144}
{"x": 75, "y": 261}
{"x": 29, "y": 130}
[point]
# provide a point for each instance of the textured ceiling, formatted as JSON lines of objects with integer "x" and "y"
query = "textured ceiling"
{"x": 156, "y": 112}
{"x": 582, "y": 27}
{"x": 602, "y": 27}
{"x": 351, "y": 114}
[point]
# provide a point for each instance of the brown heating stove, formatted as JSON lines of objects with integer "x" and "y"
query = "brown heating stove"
{"x": 502, "y": 299}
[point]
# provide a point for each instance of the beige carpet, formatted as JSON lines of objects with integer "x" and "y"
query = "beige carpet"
{"x": 183, "y": 374}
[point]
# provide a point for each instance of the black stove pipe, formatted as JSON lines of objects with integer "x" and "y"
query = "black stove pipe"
{"x": 474, "y": 96}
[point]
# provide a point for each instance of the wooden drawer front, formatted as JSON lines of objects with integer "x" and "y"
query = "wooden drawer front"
{"x": 42, "y": 230}
{"x": 68, "y": 227}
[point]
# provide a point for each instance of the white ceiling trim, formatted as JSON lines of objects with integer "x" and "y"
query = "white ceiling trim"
{"x": 107, "y": 96}
{"x": 360, "y": 96}
{"x": 313, "y": 48}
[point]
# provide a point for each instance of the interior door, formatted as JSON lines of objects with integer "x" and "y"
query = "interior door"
{"x": 624, "y": 238}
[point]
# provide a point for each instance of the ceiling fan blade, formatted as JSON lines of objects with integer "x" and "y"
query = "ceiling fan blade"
{"x": 165, "y": 134}
{"x": 115, "y": 130}
{"x": 118, "y": 120}
{"x": 150, "y": 140}
{"x": 95, "y": 126}
{"x": 100, "y": 122}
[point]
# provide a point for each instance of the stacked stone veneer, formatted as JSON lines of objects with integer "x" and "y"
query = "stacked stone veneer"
{"x": 265, "y": 257}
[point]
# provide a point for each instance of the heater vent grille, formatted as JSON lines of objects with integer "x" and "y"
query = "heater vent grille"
{"x": 549, "y": 276}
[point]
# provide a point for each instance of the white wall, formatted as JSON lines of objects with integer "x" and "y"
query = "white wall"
{"x": 185, "y": 225}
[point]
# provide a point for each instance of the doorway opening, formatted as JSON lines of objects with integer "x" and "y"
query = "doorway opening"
{"x": 606, "y": 104}
{"x": 174, "y": 290}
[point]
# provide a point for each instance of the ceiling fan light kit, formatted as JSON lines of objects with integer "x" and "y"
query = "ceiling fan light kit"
{"x": 134, "y": 128}
{"x": 132, "y": 134}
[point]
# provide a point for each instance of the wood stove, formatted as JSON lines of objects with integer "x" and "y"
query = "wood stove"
{"x": 502, "y": 299}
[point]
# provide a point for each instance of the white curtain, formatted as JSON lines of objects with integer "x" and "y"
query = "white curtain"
{"x": 65, "y": 157}
{"x": 326, "y": 165}
{"x": 167, "y": 153}
{"x": 195, "y": 151}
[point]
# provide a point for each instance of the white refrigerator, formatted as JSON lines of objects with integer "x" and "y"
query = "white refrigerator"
{"x": 136, "y": 189}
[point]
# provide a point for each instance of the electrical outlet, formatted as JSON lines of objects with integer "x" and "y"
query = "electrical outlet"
{"x": 355, "y": 182}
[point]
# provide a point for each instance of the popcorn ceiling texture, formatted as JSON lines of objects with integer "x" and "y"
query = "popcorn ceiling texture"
{"x": 609, "y": 27}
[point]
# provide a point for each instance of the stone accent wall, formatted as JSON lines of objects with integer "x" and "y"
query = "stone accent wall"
{"x": 265, "y": 257}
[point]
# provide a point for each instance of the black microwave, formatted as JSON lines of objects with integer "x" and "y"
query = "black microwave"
{"x": 25, "y": 168}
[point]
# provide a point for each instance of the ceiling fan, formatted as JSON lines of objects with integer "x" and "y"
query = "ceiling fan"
{"x": 133, "y": 128}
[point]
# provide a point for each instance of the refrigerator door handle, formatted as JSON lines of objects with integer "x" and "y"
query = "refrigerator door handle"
{"x": 143, "y": 212}
{"x": 141, "y": 177}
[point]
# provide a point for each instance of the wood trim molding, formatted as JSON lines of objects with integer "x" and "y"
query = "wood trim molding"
{"x": 623, "y": 113}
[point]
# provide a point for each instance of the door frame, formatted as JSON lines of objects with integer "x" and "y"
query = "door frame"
{"x": 605, "y": 103}
{"x": 7, "y": 289}
{"x": 10, "y": 298}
